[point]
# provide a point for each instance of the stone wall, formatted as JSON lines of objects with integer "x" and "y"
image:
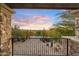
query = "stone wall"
{"x": 77, "y": 26}
{"x": 73, "y": 48}
{"x": 5, "y": 30}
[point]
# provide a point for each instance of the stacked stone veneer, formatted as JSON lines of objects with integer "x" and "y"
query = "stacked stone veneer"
{"x": 73, "y": 48}
{"x": 77, "y": 26}
{"x": 5, "y": 30}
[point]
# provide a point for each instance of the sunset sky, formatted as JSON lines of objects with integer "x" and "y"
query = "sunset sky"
{"x": 36, "y": 19}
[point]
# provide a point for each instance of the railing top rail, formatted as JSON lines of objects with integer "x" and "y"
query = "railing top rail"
{"x": 40, "y": 38}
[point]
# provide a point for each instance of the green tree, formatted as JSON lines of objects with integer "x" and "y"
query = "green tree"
{"x": 67, "y": 26}
{"x": 54, "y": 33}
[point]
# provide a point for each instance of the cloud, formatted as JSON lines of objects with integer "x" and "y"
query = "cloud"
{"x": 37, "y": 27}
{"x": 21, "y": 21}
{"x": 35, "y": 22}
{"x": 40, "y": 17}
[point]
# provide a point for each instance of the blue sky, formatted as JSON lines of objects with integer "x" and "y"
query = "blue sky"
{"x": 48, "y": 15}
{"x": 48, "y": 12}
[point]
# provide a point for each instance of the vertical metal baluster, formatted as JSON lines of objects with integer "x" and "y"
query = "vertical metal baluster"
{"x": 67, "y": 47}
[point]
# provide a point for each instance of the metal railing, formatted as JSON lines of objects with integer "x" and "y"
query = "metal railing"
{"x": 41, "y": 47}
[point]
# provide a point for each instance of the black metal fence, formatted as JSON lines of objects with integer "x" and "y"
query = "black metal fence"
{"x": 41, "y": 47}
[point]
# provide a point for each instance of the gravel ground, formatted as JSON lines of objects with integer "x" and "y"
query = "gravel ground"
{"x": 34, "y": 47}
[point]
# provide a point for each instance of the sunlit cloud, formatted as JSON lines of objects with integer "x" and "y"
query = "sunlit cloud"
{"x": 35, "y": 22}
{"x": 40, "y": 17}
